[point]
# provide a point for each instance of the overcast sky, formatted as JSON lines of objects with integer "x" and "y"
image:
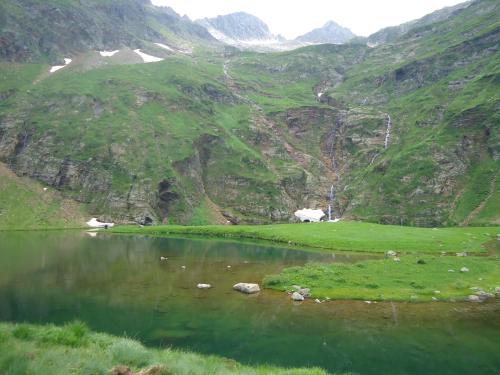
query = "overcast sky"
{"x": 292, "y": 18}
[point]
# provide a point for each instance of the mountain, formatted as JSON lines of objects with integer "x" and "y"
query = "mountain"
{"x": 390, "y": 34}
{"x": 405, "y": 132}
{"x": 331, "y": 32}
{"x": 31, "y": 29}
{"x": 244, "y": 31}
{"x": 238, "y": 26}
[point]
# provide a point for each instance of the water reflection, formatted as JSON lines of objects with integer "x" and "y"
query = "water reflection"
{"x": 118, "y": 284}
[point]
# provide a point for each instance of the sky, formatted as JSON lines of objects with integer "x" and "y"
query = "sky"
{"x": 292, "y": 18}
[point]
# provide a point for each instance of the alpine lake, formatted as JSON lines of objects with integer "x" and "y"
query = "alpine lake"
{"x": 118, "y": 284}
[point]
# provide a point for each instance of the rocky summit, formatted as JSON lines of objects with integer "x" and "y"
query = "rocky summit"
{"x": 139, "y": 115}
{"x": 331, "y": 32}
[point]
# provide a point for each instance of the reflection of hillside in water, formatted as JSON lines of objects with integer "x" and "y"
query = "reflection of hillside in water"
{"x": 119, "y": 285}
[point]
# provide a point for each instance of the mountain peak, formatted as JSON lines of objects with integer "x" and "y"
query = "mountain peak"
{"x": 331, "y": 32}
{"x": 237, "y": 26}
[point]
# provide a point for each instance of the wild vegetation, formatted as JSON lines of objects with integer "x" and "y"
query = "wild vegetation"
{"x": 212, "y": 134}
{"x": 411, "y": 278}
{"x": 343, "y": 236}
{"x": 74, "y": 349}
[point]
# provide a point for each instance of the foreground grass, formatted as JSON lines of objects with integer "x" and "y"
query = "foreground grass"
{"x": 344, "y": 235}
{"x": 413, "y": 278}
{"x": 73, "y": 349}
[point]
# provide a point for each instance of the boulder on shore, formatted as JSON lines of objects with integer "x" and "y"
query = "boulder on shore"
{"x": 305, "y": 292}
{"x": 473, "y": 298}
{"x": 247, "y": 288}
{"x": 296, "y": 296}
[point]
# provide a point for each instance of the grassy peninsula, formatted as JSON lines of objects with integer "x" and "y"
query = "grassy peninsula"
{"x": 427, "y": 267}
{"x": 410, "y": 278}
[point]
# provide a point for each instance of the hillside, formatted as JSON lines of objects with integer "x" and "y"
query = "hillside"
{"x": 33, "y": 30}
{"x": 407, "y": 132}
{"x": 24, "y": 203}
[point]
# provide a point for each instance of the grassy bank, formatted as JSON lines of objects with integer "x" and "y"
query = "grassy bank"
{"x": 344, "y": 235}
{"x": 27, "y": 204}
{"x": 73, "y": 349}
{"x": 413, "y": 278}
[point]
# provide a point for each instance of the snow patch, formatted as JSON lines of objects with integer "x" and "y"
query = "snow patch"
{"x": 94, "y": 223}
{"x": 55, "y": 68}
{"x": 164, "y": 46}
{"x": 108, "y": 53}
{"x": 147, "y": 58}
{"x": 309, "y": 215}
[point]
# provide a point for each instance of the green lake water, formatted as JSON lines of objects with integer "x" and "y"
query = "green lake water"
{"x": 118, "y": 284}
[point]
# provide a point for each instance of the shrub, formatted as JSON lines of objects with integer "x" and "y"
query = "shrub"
{"x": 130, "y": 353}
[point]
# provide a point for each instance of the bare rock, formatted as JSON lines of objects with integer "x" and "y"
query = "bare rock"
{"x": 154, "y": 370}
{"x": 473, "y": 298}
{"x": 305, "y": 292}
{"x": 247, "y": 288}
{"x": 296, "y": 296}
{"x": 464, "y": 269}
{"x": 121, "y": 370}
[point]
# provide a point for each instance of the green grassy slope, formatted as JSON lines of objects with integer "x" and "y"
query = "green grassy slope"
{"x": 30, "y": 349}
{"x": 344, "y": 235}
{"x": 249, "y": 133}
{"x": 412, "y": 278}
{"x": 24, "y": 204}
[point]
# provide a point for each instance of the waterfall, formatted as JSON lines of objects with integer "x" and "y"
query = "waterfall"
{"x": 388, "y": 131}
{"x": 330, "y": 205}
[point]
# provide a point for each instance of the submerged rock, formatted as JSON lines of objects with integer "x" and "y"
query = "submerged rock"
{"x": 203, "y": 286}
{"x": 247, "y": 288}
{"x": 473, "y": 298}
{"x": 296, "y": 296}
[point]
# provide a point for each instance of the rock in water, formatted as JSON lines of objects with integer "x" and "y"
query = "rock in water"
{"x": 473, "y": 298}
{"x": 296, "y": 296}
{"x": 247, "y": 288}
{"x": 203, "y": 286}
{"x": 305, "y": 292}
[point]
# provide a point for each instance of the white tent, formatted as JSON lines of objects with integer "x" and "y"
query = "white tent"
{"x": 309, "y": 215}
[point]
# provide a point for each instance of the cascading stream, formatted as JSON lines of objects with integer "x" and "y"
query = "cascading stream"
{"x": 388, "y": 132}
